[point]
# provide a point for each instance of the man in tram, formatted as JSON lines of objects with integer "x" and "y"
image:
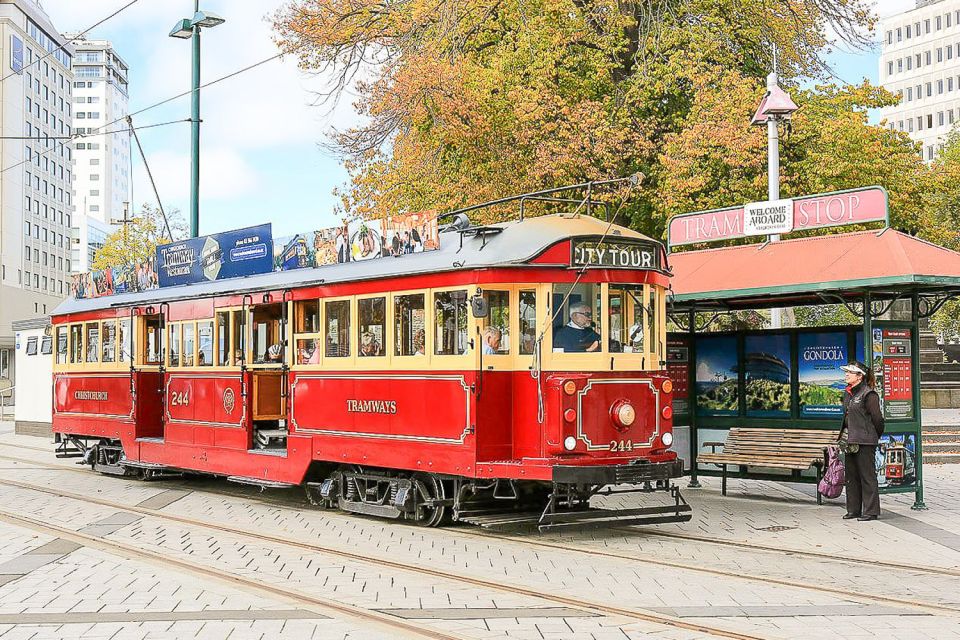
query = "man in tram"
{"x": 491, "y": 341}
{"x": 578, "y": 335}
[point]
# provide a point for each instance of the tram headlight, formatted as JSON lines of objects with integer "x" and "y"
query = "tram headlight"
{"x": 569, "y": 387}
{"x": 667, "y": 386}
{"x": 569, "y": 443}
{"x": 626, "y": 414}
{"x": 667, "y": 439}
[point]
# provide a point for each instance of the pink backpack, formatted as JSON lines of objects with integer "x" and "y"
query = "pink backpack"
{"x": 831, "y": 484}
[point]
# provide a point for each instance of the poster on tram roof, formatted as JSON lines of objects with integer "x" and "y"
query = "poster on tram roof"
{"x": 231, "y": 254}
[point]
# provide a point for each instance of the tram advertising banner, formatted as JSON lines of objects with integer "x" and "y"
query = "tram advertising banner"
{"x": 893, "y": 364}
{"x": 231, "y": 254}
{"x": 678, "y": 368}
{"x": 718, "y": 392}
{"x": 767, "y": 375}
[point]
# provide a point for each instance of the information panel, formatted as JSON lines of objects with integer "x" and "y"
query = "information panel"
{"x": 893, "y": 353}
{"x": 678, "y": 368}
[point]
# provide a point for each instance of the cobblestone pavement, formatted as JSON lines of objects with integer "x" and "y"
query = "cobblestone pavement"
{"x": 87, "y": 590}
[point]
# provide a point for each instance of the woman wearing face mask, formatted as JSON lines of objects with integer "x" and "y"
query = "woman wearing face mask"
{"x": 861, "y": 429}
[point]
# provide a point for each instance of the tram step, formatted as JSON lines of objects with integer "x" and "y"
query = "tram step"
{"x": 260, "y": 482}
{"x": 369, "y": 509}
{"x": 267, "y": 436}
{"x": 137, "y": 464}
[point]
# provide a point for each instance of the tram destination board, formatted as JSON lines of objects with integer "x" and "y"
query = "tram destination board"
{"x": 615, "y": 254}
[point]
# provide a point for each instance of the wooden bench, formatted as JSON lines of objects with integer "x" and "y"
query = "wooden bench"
{"x": 793, "y": 449}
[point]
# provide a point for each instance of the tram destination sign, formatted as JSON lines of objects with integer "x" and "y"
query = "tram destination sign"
{"x": 615, "y": 254}
{"x": 858, "y": 206}
{"x": 231, "y": 254}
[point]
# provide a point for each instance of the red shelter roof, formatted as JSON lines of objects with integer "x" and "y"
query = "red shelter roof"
{"x": 805, "y": 269}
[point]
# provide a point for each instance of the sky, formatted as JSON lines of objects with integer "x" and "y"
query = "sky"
{"x": 262, "y": 158}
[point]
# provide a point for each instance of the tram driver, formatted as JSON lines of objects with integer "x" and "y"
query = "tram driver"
{"x": 578, "y": 335}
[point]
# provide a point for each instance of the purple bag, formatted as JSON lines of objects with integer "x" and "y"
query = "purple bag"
{"x": 834, "y": 477}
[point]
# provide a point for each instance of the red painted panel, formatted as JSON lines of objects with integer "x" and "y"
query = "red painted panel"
{"x": 495, "y": 415}
{"x": 106, "y": 395}
{"x": 205, "y": 399}
{"x": 149, "y": 399}
{"x": 557, "y": 254}
{"x": 409, "y": 407}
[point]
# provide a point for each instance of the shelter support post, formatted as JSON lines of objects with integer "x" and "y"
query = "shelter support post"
{"x": 692, "y": 397}
{"x": 918, "y": 503}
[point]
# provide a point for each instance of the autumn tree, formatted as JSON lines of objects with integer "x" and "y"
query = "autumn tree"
{"x": 137, "y": 241}
{"x": 471, "y": 100}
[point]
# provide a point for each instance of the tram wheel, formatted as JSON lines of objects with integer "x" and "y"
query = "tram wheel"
{"x": 429, "y": 487}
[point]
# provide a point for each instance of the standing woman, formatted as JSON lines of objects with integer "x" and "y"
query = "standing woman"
{"x": 862, "y": 428}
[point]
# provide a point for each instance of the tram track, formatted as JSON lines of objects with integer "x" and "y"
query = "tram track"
{"x": 594, "y": 607}
{"x": 817, "y": 555}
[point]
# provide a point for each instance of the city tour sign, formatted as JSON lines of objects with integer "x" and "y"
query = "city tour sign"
{"x": 857, "y": 206}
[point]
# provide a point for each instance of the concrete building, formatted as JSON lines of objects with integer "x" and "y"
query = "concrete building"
{"x": 102, "y": 176}
{"x": 920, "y": 59}
{"x": 36, "y": 198}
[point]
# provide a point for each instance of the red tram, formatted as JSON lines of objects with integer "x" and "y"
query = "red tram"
{"x": 449, "y": 385}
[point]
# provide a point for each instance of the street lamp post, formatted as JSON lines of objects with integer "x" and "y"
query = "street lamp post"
{"x": 189, "y": 28}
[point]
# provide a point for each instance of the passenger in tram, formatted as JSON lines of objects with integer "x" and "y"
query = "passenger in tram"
{"x": 419, "y": 342}
{"x": 274, "y": 353}
{"x": 491, "y": 341}
{"x": 577, "y": 336}
{"x": 369, "y": 346}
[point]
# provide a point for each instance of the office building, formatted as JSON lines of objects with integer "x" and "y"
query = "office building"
{"x": 920, "y": 60}
{"x": 36, "y": 199}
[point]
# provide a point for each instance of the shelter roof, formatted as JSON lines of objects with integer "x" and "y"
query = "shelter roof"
{"x": 812, "y": 270}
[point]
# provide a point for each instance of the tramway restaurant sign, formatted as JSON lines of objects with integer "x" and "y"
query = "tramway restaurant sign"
{"x": 615, "y": 254}
{"x": 231, "y": 254}
{"x": 858, "y": 206}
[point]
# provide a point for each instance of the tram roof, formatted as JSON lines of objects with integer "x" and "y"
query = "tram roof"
{"x": 814, "y": 270}
{"x": 517, "y": 243}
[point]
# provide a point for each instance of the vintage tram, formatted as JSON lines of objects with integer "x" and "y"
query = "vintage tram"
{"x": 453, "y": 384}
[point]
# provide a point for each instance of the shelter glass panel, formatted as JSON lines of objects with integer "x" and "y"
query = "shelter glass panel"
{"x": 718, "y": 367}
{"x": 528, "y": 321}
{"x": 576, "y": 310}
{"x": 410, "y": 317}
{"x": 337, "y": 315}
{"x": 205, "y": 343}
{"x": 450, "y": 308}
{"x": 109, "y": 341}
{"x": 93, "y": 341}
{"x": 767, "y": 376}
{"x": 372, "y": 326}
{"x": 496, "y": 335}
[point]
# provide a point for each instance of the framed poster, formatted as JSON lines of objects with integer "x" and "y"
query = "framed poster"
{"x": 767, "y": 375}
{"x": 821, "y": 381}
{"x": 678, "y": 362}
{"x": 717, "y": 384}
{"x": 896, "y": 460}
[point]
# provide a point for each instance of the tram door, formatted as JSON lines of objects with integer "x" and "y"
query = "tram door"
{"x": 268, "y": 375}
{"x": 147, "y": 374}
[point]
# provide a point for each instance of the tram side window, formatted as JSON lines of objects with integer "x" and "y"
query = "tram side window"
{"x": 266, "y": 334}
{"x": 126, "y": 348}
{"x": 576, "y": 310}
{"x": 189, "y": 341}
{"x": 496, "y": 331}
{"x": 153, "y": 339}
{"x": 307, "y": 313}
{"x": 205, "y": 344}
{"x": 626, "y": 322}
{"x": 528, "y": 321}
{"x": 109, "y": 353}
{"x": 450, "y": 309}
{"x": 239, "y": 337}
{"x": 173, "y": 340}
{"x": 61, "y": 345}
{"x": 223, "y": 338}
{"x": 410, "y": 318}
{"x": 337, "y": 332}
{"x": 653, "y": 321}
{"x": 372, "y": 326}
{"x": 76, "y": 344}
{"x": 93, "y": 341}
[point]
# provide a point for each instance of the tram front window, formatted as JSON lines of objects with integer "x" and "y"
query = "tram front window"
{"x": 154, "y": 337}
{"x": 627, "y": 311}
{"x": 576, "y": 313}
{"x": 266, "y": 334}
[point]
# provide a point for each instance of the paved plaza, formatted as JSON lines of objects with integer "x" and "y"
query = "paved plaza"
{"x": 88, "y": 556}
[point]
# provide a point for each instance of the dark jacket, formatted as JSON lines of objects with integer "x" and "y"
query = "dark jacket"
{"x": 574, "y": 340}
{"x": 862, "y": 415}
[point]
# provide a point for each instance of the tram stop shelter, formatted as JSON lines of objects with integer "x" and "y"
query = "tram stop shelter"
{"x": 789, "y": 379}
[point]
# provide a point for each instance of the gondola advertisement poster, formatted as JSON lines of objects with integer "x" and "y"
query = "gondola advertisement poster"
{"x": 678, "y": 367}
{"x": 767, "y": 375}
{"x": 896, "y": 460}
{"x": 718, "y": 369}
{"x": 821, "y": 380}
{"x": 231, "y": 254}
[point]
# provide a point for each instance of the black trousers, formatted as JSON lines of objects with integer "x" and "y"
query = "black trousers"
{"x": 863, "y": 495}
